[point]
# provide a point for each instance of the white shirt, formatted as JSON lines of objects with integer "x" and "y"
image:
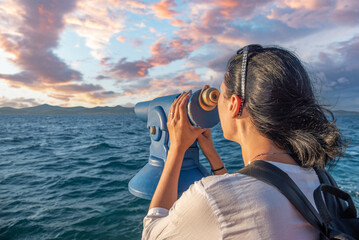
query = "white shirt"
{"x": 234, "y": 206}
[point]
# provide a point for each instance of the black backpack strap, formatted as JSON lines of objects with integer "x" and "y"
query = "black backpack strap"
{"x": 275, "y": 177}
{"x": 330, "y": 200}
{"x": 335, "y": 204}
{"x": 349, "y": 212}
{"x": 345, "y": 226}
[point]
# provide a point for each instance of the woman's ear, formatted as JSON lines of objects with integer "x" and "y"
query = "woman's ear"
{"x": 235, "y": 105}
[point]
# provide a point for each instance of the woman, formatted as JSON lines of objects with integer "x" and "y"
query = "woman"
{"x": 267, "y": 106}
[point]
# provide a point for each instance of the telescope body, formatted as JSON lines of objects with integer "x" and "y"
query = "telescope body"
{"x": 155, "y": 113}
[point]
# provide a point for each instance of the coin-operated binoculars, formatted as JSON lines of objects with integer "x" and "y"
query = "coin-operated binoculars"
{"x": 202, "y": 113}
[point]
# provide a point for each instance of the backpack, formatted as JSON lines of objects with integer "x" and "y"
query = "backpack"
{"x": 336, "y": 217}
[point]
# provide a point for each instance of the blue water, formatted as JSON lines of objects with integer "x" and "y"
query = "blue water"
{"x": 66, "y": 177}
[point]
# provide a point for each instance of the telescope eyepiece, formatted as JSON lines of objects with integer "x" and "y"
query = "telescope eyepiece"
{"x": 208, "y": 98}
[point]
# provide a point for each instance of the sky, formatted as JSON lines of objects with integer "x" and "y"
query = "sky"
{"x": 120, "y": 52}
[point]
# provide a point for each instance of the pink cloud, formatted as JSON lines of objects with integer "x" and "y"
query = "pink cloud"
{"x": 300, "y": 17}
{"x": 20, "y": 79}
{"x": 211, "y": 21}
{"x": 97, "y": 22}
{"x": 315, "y": 13}
{"x": 308, "y": 4}
{"x": 129, "y": 70}
{"x": 339, "y": 67}
{"x": 165, "y": 85}
{"x": 177, "y": 23}
{"x": 75, "y": 88}
{"x": 163, "y": 53}
{"x": 164, "y": 9}
{"x": 238, "y": 9}
{"x": 135, "y": 6}
{"x": 346, "y": 12}
{"x": 136, "y": 42}
{"x": 100, "y": 97}
{"x": 32, "y": 47}
{"x": 32, "y": 42}
{"x": 105, "y": 61}
{"x": 121, "y": 38}
{"x": 18, "y": 102}
{"x": 211, "y": 25}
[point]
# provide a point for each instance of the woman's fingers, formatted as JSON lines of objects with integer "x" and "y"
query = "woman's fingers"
{"x": 177, "y": 106}
{"x": 179, "y": 109}
{"x": 182, "y": 106}
{"x": 170, "y": 115}
{"x": 173, "y": 107}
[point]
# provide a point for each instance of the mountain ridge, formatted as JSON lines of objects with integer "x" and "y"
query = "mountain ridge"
{"x": 50, "y": 109}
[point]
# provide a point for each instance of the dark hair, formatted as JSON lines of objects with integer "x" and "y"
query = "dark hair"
{"x": 282, "y": 105}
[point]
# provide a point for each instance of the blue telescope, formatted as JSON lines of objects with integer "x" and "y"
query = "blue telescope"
{"x": 202, "y": 113}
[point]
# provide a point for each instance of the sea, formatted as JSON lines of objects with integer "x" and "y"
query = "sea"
{"x": 66, "y": 176}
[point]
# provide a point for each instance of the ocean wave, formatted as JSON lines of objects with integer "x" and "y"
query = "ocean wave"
{"x": 67, "y": 177}
{"x": 16, "y": 139}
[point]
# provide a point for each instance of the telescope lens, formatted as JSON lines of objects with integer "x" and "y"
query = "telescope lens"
{"x": 213, "y": 96}
{"x": 208, "y": 98}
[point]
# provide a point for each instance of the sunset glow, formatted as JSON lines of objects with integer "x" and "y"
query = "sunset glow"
{"x": 109, "y": 52}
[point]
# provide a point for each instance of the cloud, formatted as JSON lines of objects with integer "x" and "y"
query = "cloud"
{"x": 105, "y": 61}
{"x": 315, "y": 13}
{"x": 140, "y": 25}
{"x": 164, "y": 9}
{"x": 18, "y": 102}
{"x": 136, "y": 42}
{"x": 22, "y": 78}
{"x": 32, "y": 43}
{"x": 177, "y": 23}
{"x": 217, "y": 21}
{"x": 166, "y": 51}
{"x": 164, "y": 85}
{"x": 342, "y": 80}
{"x": 77, "y": 88}
{"x": 101, "y": 77}
{"x": 306, "y": 4}
{"x": 200, "y": 38}
{"x": 219, "y": 64}
{"x": 337, "y": 74}
{"x": 211, "y": 23}
{"x": 96, "y": 23}
{"x": 340, "y": 63}
{"x": 163, "y": 53}
{"x": 346, "y": 12}
{"x": 134, "y": 6}
{"x": 101, "y": 97}
{"x": 129, "y": 70}
{"x": 121, "y": 38}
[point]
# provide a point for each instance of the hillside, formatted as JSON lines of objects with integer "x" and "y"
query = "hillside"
{"x": 49, "y": 109}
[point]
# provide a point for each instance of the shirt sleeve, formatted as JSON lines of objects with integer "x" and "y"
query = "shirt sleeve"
{"x": 191, "y": 217}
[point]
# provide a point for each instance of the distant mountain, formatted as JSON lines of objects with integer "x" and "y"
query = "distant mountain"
{"x": 49, "y": 109}
{"x": 342, "y": 112}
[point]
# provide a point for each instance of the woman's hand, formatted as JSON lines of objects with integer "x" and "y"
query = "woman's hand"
{"x": 182, "y": 136}
{"x": 182, "y": 132}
